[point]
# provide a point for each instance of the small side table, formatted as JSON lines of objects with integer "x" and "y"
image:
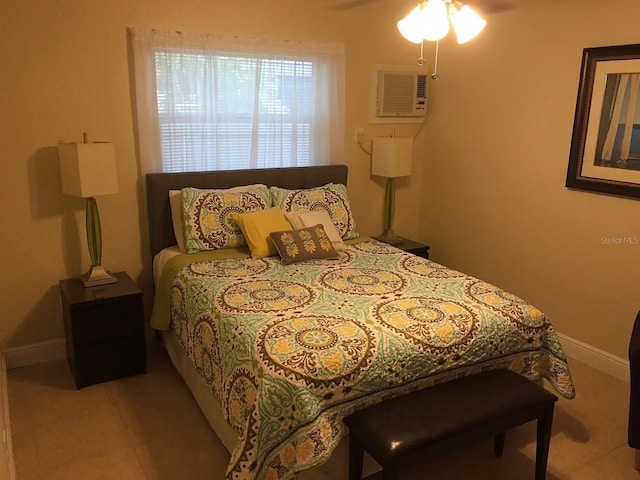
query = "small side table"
{"x": 104, "y": 330}
{"x": 417, "y": 248}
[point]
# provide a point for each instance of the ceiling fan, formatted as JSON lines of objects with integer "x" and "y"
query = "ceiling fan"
{"x": 483, "y": 7}
{"x": 431, "y": 20}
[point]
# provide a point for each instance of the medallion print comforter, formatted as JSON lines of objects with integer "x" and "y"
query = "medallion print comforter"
{"x": 290, "y": 350}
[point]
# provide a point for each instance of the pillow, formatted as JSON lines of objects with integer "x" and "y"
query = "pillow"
{"x": 175, "y": 202}
{"x": 256, "y": 227}
{"x": 209, "y": 217}
{"x": 331, "y": 198}
{"x": 314, "y": 217}
{"x": 305, "y": 244}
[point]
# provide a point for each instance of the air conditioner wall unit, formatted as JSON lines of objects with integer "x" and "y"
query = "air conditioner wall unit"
{"x": 400, "y": 94}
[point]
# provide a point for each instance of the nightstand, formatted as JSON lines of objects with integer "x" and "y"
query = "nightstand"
{"x": 104, "y": 330}
{"x": 417, "y": 248}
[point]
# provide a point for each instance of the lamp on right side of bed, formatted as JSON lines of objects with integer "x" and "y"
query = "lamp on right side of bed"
{"x": 391, "y": 158}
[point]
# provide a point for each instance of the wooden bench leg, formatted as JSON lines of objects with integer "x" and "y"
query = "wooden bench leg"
{"x": 356, "y": 456}
{"x": 498, "y": 444}
{"x": 542, "y": 443}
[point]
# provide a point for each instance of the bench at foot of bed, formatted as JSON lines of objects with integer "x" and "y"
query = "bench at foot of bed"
{"x": 427, "y": 422}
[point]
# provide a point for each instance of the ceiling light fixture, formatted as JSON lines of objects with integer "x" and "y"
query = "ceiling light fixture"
{"x": 431, "y": 20}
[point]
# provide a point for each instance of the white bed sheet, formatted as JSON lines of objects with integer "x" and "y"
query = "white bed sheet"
{"x": 161, "y": 259}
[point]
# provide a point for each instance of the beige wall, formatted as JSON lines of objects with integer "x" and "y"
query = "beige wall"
{"x": 487, "y": 191}
{"x": 65, "y": 70}
{"x": 496, "y": 205}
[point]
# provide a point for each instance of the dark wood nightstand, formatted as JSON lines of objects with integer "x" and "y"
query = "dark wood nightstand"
{"x": 104, "y": 330}
{"x": 417, "y": 248}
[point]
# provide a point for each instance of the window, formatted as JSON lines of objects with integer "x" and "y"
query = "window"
{"x": 208, "y": 102}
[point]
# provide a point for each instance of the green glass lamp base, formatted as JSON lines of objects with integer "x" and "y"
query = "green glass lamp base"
{"x": 387, "y": 236}
{"x": 96, "y": 275}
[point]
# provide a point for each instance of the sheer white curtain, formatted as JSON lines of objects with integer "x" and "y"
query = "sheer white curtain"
{"x": 213, "y": 102}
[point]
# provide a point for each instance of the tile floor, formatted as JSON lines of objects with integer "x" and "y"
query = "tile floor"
{"x": 148, "y": 427}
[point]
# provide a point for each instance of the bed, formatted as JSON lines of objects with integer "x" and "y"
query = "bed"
{"x": 277, "y": 354}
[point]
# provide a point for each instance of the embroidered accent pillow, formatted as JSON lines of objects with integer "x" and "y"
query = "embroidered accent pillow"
{"x": 209, "y": 217}
{"x": 256, "y": 227}
{"x": 331, "y": 197}
{"x": 305, "y": 244}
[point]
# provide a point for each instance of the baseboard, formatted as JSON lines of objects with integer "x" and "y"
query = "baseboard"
{"x": 7, "y": 467}
{"x": 35, "y": 353}
{"x": 594, "y": 357}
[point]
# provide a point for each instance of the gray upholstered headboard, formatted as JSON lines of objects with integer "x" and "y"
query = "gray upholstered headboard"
{"x": 158, "y": 186}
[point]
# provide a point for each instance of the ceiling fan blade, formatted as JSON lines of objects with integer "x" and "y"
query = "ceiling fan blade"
{"x": 490, "y": 6}
{"x": 481, "y": 6}
{"x": 345, "y": 5}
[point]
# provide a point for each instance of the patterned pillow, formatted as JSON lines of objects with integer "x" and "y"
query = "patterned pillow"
{"x": 304, "y": 244}
{"x": 175, "y": 202}
{"x": 209, "y": 217}
{"x": 332, "y": 198}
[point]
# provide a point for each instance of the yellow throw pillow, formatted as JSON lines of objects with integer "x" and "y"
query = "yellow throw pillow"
{"x": 256, "y": 227}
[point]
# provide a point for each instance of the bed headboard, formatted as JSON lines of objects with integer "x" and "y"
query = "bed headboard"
{"x": 158, "y": 186}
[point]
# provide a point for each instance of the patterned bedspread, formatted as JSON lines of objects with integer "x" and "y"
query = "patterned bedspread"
{"x": 290, "y": 350}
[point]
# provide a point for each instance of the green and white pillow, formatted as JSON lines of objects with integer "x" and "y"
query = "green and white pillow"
{"x": 209, "y": 217}
{"x": 175, "y": 202}
{"x": 331, "y": 198}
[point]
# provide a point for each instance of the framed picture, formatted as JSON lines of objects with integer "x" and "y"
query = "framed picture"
{"x": 605, "y": 146}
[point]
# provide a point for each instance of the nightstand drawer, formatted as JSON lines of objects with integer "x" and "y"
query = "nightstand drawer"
{"x": 109, "y": 360}
{"x": 107, "y": 321}
{"x": 104, "y": 330}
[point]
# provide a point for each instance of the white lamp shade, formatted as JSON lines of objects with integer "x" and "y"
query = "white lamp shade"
{"x": 428, "y": 21}
{"x": 391, "y": 157}
{"x": 436, "y": 24}
{"x": 411, "y": 26}
{"x": 88, "y": 169}
{"x": 467, "y": 24}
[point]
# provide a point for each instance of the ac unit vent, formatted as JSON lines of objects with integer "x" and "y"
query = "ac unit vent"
{"x": 401, "y": 94}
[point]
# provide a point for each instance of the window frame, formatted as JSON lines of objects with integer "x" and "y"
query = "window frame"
{"x": 325, "y": 124}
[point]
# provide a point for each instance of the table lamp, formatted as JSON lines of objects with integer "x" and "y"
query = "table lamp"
{"x": 89, "y": 170}
{"x": 391, "y": 158}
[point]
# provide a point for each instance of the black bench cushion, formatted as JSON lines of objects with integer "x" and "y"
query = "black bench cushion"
{"x": 400, "y": 426}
